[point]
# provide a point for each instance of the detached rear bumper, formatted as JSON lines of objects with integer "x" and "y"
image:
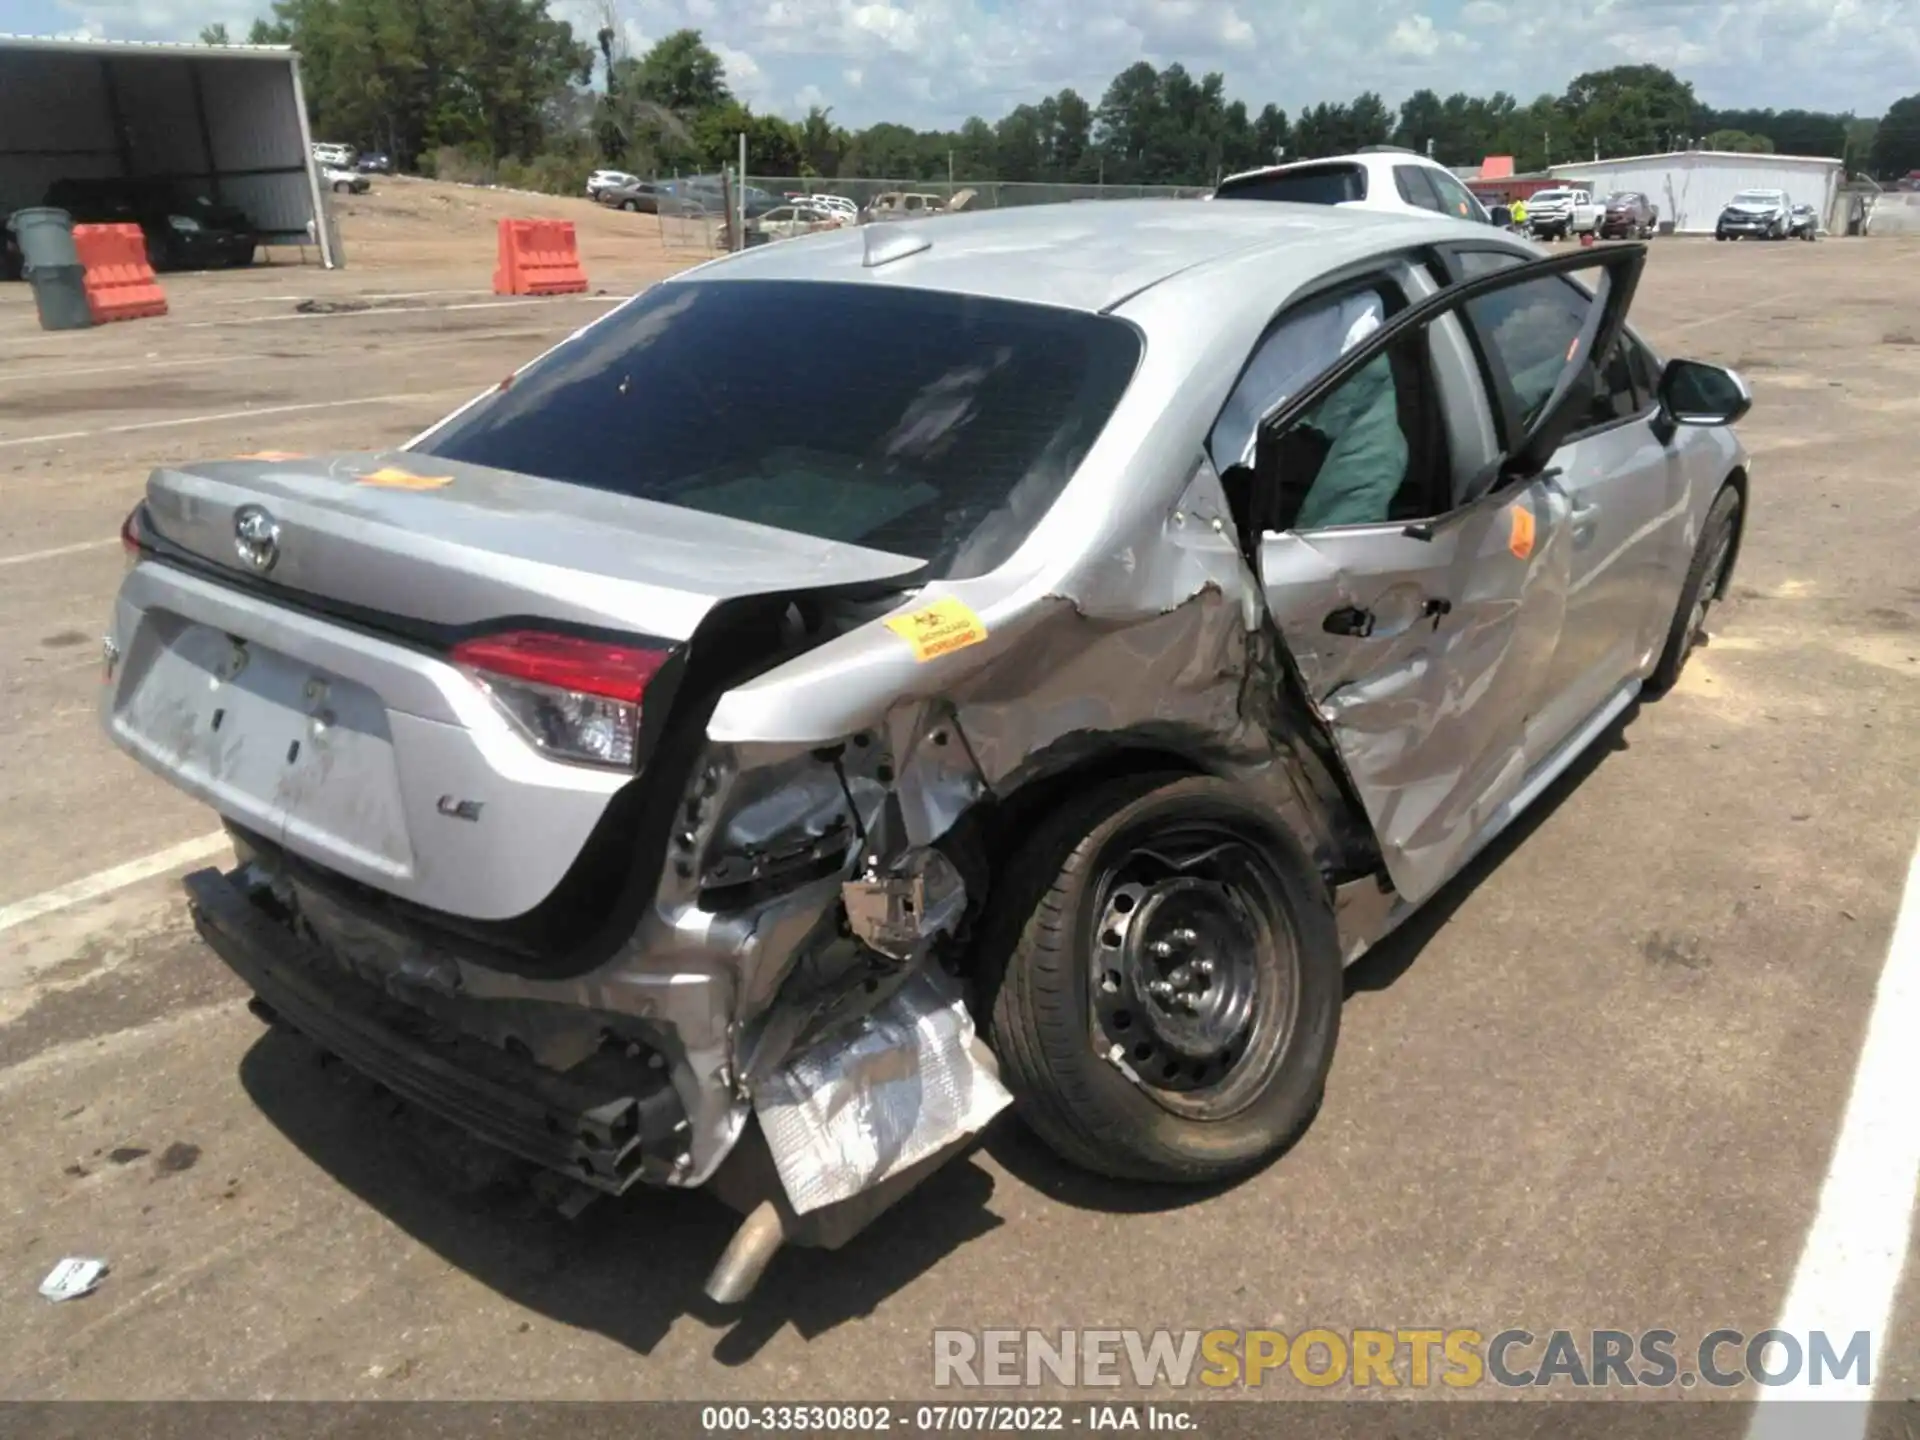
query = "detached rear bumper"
{"x": 608, "y": 1131}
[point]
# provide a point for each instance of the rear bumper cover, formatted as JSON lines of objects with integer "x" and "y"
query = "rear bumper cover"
{"x": 609, "y": 1133}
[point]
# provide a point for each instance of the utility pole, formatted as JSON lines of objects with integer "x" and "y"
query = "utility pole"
{"x": 1546, "y": 143}
{"x": 949, "y": 171}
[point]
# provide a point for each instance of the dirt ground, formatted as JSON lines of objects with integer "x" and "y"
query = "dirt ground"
{"x": 405, "y": 223}
{"x": 1597, "y": 1084}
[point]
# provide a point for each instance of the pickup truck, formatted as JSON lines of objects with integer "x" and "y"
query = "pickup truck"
{"x": 1558, "y": 214}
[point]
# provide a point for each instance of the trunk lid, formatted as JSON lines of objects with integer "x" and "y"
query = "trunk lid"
{"x": 451, "y": 544}
{"x": 294, "y": 697}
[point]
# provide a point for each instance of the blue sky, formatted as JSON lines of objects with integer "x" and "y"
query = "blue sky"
{"x": 934, "y": 62}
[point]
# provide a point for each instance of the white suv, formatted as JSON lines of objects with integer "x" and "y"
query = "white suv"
{"x": 1381, "y": 177}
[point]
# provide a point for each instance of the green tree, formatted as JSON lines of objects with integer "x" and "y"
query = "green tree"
{"x": 215, "y": 34}
{"x": 410, "y": 76}
{"x": 1859, "y": 144}
{"x": 682, "y": 74}
{"x": 1272, "y": 136}
{"x": 1896, "y": 143}
{"x": 1738, "y": 141}
{"x": 1628, "y": 110}
{"x": 822, "y": 143}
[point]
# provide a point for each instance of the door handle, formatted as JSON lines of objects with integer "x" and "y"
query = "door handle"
{"x": 1348, "y": 620}
{"x": 1586, "y": 517}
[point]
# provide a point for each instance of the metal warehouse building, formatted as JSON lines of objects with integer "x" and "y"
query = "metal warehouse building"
{"x": 225, "y": 121}
{"x": 1691, "y": 187}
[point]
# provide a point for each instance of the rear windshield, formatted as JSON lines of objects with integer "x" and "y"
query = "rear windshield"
{"x": 926, "y": 424}
{"x": 1318, "y": 185}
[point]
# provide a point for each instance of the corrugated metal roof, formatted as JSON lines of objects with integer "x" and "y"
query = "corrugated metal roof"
{"x": 1746, "y": 157}
{"x": 87, "y": 46}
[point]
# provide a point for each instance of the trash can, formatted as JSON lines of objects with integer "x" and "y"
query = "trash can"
{"x": 45, "y": 236}
{"x": 60, "y": 295}
{"x": 52, "y": 267}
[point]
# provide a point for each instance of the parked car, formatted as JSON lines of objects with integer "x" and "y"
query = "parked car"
{"x": 1384, "y": 178}
{"x": 1756, "y": 215}
{"x": 343, "y": 182}
{"x": 1803, "y": 222}
{"x": 603, "y": 180}
{"x": 646, "y": 776}
{"x": 375, "y": 162}
{"x": 184, "y": 231}
{"x": 837, "y": 204}
{"x": 640, "y": 197}
{"x": 1561, "y": 213}
{"x": 783, "y": 222}
{"x": 1628, "y": 215}
{"x": 328, "y": 153}
{"x": 903, "y": 205}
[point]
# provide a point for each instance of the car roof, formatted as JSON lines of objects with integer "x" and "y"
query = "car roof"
{"x": 1089, "y": 257}
{"x": 1367, "y": 159}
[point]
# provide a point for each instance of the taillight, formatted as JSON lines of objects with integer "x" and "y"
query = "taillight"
{"x": 576, "y": 699}
{"x": 130, "y": 537}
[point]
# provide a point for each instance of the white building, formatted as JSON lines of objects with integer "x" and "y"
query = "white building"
{"x": 1690, "y": 187}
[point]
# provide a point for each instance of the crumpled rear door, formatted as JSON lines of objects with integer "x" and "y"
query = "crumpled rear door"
{"x": 1429, "y": 706}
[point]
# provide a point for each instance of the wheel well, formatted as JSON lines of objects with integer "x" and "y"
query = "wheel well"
{"x": 987, "y": 837}
{"x": 1737, "y": 479}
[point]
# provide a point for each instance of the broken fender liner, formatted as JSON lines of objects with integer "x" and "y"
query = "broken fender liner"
{"x": 868, "y": 1102}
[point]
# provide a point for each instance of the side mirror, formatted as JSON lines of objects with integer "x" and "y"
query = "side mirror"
{"x": 1500, "y": 217}
{"x": 1692, "y": 392}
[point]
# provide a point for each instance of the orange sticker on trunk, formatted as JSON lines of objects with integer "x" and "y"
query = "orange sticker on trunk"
{"x": 939, "y": 629}
{"x": 388, "y": 478}
{"x": 1520, "y": 539}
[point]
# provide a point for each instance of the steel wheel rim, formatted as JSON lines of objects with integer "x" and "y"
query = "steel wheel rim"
{"x": 1710, "y": 584}
{"x": 1187, "y": 1000}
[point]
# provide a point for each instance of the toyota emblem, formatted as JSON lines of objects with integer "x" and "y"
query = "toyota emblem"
{"x": 256, "y": 538}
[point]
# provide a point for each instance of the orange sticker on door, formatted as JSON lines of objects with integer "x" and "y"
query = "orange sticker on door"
{"x": 1520, "y": 538}
{"x": 939, "y": 629}
{"x": 388, "y": 478}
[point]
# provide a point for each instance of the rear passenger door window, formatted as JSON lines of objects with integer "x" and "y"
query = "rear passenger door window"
{"x": 1455, "y": 199}
{"x": 1411, "y": 181}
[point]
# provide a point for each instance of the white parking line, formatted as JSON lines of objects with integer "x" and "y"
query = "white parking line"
{"x": 1856, "y": 1251}
{"x": 141, "y": 365}
{"x": 408, "y": 346}
{"x": 106, "y": 882}
{"x": 237, "y": 415}
{"x": 56, "y": 552}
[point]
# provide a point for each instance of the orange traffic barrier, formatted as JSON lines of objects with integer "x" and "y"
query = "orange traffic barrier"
{"x": 120, "y": 283}
{"x": 538, "y": 257}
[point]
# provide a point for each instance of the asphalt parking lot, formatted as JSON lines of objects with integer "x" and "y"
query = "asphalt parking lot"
{"x": 1600, "y": 1083}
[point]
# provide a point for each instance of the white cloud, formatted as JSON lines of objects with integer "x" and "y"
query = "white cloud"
{"x": 1415, "y": 38}
{"x": 934, "y": 62}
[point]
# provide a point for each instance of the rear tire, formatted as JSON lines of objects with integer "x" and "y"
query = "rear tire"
{"x": 1706, "y": 578}
{"x": 1170, "y": 921}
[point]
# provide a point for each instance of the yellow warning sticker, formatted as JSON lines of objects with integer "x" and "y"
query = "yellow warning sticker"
{"x": 1520, "y": 540}
{"x": 272, "y": 455}
{"x": 388, "y": 478}
{"x": 939, "y": 629}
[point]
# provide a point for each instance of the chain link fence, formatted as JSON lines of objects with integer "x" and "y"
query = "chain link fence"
{"x": 696, "y": 211}
{"x": 973, "y": 194}
{"x": 696, "y": 214}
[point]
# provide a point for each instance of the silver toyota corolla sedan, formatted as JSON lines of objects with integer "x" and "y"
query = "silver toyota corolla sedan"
{"x": 865, "y": 681}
